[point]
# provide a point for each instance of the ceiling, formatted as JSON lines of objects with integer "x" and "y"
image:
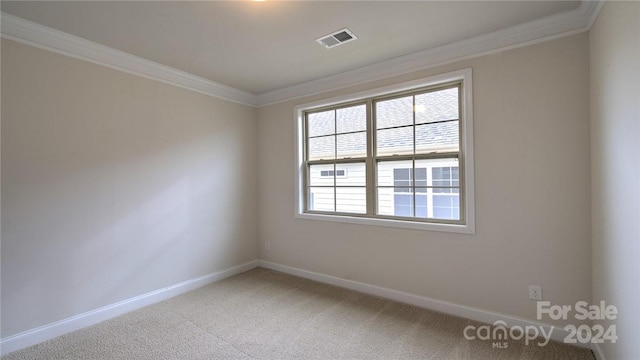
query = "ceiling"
{"x": 261, "y": 47}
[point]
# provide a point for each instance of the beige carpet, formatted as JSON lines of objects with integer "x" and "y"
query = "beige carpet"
{"x": 262, "y": 314}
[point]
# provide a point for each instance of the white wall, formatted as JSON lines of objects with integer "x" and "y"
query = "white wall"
{"x": 531, "y": 115}
{"x": 114, "y": 185}
{"x": 615, "y": 170}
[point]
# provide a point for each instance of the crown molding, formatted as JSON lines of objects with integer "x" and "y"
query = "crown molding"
{"x": 548, "y": 28}
{"x": 40, "y": 36}
{"x": 591, "y": 11}
{"x": 551, "y": 27}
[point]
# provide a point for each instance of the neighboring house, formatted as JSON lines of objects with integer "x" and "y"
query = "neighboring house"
{"x": 396, "y": 199}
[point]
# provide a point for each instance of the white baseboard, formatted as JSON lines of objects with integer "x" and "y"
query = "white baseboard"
{"x": 480, "y": 315}
{"x": 58, "y": 328}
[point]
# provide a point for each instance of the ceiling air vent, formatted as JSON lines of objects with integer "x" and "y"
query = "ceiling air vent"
{"x": 336, "y": 38}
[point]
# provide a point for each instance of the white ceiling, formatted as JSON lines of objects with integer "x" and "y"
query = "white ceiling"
{"x": 260, "y": 47}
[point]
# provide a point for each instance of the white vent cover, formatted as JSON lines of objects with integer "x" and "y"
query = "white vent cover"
{"x": 336, "y": 38}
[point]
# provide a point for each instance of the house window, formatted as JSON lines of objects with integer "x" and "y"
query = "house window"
{"x": 407, "y": 155}
{"x": 330, "y": 173}
{"x": 446, "y": 192}
{"x": 408, "y": 200}
{"x": 435, "y": 196}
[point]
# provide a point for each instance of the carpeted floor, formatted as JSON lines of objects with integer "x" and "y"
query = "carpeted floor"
{"x": 262, "y": 314}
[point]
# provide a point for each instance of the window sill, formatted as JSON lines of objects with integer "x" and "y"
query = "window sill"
{"x": 413, "y": 225}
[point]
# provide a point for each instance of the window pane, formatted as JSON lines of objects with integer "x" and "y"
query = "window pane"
{"x": 403, "y": 180}
{"x": 432, "y": 164}
{"x": 446, "y": 176}
{"x": 394, "y": 112}
{"x": 441, "y": 137}
{"x": 322, "y": 123}
{"x": 352, "y": 174}
{"x": 400, "y": 202}
{"x": 437, "y": 106}
{"x": 421, "y": 203}
{"x": 403, "y": 177}
{"x": 446, "y": 207}
{"x": 403, "y": 204}
{"x": 321, "y": 175}
{"x": 395, "y": 202}
{"x": 351, "y": 200}
{"x": 445, "y": 201}
{"x": 322, "y": 148}
{"x": 321, "y": 198}
{"x": 395, "y": 141}
{"x": 352, "y": 145}
{"x": 352, "y": 119}
{"x": 421, "y": 176}
{"x": 386, "y": 172}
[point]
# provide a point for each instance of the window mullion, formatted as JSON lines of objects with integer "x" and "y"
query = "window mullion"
{"x": 413, "y": 160}
{"x": 335, "y": 158}
{"x": 370, "y": 162}
{"x": 430, "y": 192}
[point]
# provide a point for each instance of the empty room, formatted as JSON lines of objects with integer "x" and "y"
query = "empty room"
{"x": 320, "y": 180}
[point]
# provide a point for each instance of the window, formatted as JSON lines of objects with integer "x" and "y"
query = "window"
{"x": 329, "y": 173}
{"x": 405, "y": 203}
{"x": 336, "y": 145}
{"x": 396, "y": 158}
{"x": 446, "y": 194}
{"x": 434, "y": 197}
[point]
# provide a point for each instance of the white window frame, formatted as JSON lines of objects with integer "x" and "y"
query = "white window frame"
{"x": 466, "y": 151}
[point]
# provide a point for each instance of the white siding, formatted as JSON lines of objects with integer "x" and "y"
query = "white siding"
{"x": 350, "y": 199}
